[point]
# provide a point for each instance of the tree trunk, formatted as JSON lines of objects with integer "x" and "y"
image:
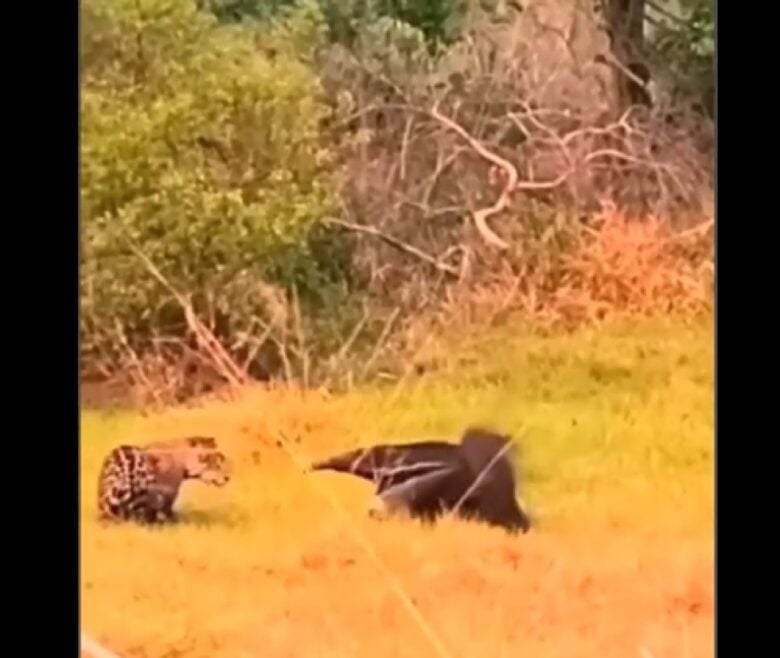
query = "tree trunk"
{"x": 625, "y": 24}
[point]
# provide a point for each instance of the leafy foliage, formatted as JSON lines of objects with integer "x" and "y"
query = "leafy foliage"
{"x": 687, "y": 48}
{"x": 438, "y": 20}
{"x": 206, "y": 155}
{"x": 238, "y": 10}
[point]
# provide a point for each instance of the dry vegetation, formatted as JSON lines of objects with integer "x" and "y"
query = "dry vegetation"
{"x": 615, "y": 428}
{"x": 330, "y": 197}
{"x": 616, "y": 265}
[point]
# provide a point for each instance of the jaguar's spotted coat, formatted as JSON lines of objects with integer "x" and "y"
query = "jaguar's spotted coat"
{"x": 141, "y": 483}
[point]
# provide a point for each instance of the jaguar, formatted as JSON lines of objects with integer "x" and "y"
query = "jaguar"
{"x": 142, "y": 482}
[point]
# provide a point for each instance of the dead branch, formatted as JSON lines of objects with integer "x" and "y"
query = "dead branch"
{"x": 135, "y": 360}
{"x": 225, "y": 365}
{"x": 381, "y": 340}
{"x": 481, "y": 216}
{"x": 655, "y": 6}
{"x": 511, "y": 184}
{"x": 301, "y": 338}
{"x": 610, "y": 59}
{"x": 398, "y": 244}
{"x": 694, "y": 232}
{"x": 342, "y": 352}
{"x": 441, "y": 167}
{"x": 257, "y": 346}
{"x": 431, "y": 213}
{"x": 405, "y": 146}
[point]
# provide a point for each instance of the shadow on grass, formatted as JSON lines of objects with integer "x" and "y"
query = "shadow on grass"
{"x": 225, "y": 518}
{"x": 222, "y": 517}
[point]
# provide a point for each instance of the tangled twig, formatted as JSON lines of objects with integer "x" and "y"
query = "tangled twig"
{"x": 395, "y": 242}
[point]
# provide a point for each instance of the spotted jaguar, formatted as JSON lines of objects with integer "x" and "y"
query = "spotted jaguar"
{"x": 141, "y": 483}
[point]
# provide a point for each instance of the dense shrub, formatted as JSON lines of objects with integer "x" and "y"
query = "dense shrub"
{"x": 686, "y": 49}
{"x": 440, "y": 21}
{"x": 206, "y": 155}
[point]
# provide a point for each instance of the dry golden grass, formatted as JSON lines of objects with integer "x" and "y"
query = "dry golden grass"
{"x": 617, "y": 266}
{"x": 616, "y": 440}
{"x": 635, "y": 265}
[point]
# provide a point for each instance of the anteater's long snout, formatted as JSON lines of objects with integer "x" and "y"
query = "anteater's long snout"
{"x": 326, "y": 465}
{"x": 343, "y": 463}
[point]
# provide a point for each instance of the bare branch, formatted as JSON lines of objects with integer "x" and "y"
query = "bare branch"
{"x": 301, "y": 337}
{"x": 395, "y": 242}
{"x": 481, "y": 216}
{"x": 133, "y": 356}
{"x": 227, "y": 367}
{"x": 511, "y": 184}
{"x": 342, "y": 352}
{"x": 695, "y": 232}
{"x": 665, "y": 12}
{"x": 405, "y": 146}
{"x": 381, "y": 340}
{"x": 441, "y": 166}
{"x": 609, "y": 58}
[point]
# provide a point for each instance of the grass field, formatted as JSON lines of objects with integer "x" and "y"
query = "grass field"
{"x": 615, "y": 428}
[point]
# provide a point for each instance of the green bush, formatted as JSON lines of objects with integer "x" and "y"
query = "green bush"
{"x": 206, "y": 155}
{"x": 239, "y": 10}
{"x": 438, "y": 20}
{"x": 687, "y": 49}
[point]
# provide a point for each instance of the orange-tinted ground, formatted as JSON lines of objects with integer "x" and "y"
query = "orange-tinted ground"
{"x": 281, "y": 564}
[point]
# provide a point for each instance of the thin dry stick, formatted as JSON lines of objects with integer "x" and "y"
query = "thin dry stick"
{"x": 656, "y": 167}
{"x": 695, "y": 232}
{"x": 619, "y": 155}
{"x": 441, "y": 166}
{"x": 614, "y": 61}
{"x": 258, "y": 342}
{"x": 301, "y": 336}
{"x": 395, "y": 242}
{"x": 288, "y": 371}
{"x": 229, "y": 369}
{"x": 214, "y": 348}
{"x": 347, "y": 345}
{"x": 136, "y": 361}
{"x": 380, "y": 341}
{"x": 405, "y": 147}
{"x": 655, "y": 6}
